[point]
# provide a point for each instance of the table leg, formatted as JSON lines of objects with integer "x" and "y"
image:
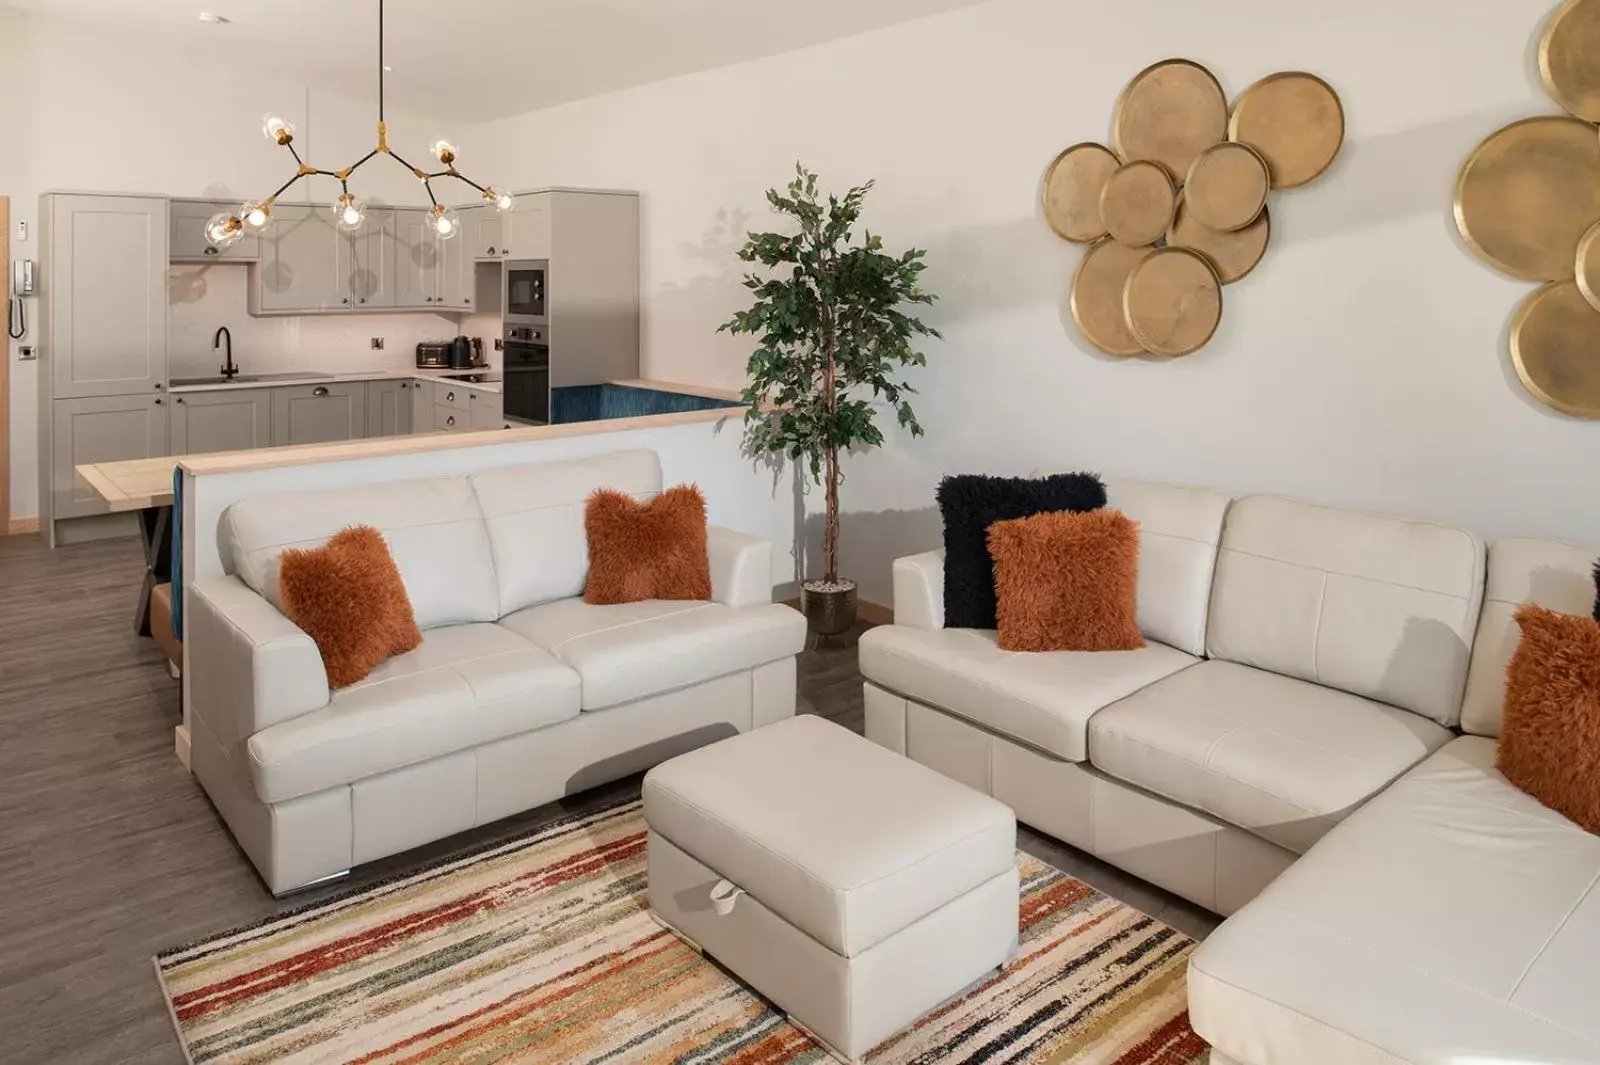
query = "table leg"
{"x": 155, "y": 534}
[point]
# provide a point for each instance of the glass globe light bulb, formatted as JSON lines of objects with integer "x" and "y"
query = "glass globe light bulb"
{"x": 444, "y": 151}
{"x": 223, "y": 230}
{"x": 277, "y": 130}
{"x": 349, "y": 212}
{"x": 255, "y": 215}
{"x": 446, "y": 223}
{"x": 499, "y": 199}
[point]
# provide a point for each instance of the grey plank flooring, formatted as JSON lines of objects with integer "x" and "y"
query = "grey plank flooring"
{"x": 109, "y": 851}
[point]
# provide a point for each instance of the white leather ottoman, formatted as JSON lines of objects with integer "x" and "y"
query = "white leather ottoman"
{"x": 851, "y": 886}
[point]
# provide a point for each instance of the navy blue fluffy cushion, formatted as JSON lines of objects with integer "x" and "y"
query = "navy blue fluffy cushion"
{"x": 969, "y": 504}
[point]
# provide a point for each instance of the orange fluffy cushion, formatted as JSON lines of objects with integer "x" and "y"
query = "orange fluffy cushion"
{"x": 1067, "y": 582}
{"x": 1550, "y": 735}
{"x": 348, "y": 597}
{"x": 654, "y": 550}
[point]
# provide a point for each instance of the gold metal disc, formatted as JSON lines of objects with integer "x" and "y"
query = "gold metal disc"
{"x": 1296, "y": 122}
{"x": 1072, "y": 187}
{"x": 1137, "y": 203}
{"x": 1555, "y": 346}
{"x": 1231, "y": 255}
{"x": 1170, "y": 113}
{"x": 1173, "y": 302}
{"x": 1226, "y": 188}
{"x": 1097, "y": 297}
{"x": 1527, "y": 195}
{"x": 1569, "y": 58}
{"x": 1588, "y": 266}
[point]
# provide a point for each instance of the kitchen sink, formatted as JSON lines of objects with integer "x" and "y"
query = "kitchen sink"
{"x": 248, "y": 378}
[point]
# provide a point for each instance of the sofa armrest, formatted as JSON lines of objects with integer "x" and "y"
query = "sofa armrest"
{"x": 249, "y": 666}
{"x": 919, "y": 590}
{"x": 741, "y": 567}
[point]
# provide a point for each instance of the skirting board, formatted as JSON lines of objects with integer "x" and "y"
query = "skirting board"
{"x": 872, "y": 613}
{"x": 181, "y": 744}
{"x": 22, "y": 526}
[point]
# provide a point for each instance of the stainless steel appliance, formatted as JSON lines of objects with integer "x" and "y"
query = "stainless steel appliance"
{"x": 527, "y": 288}
{"x": 526, "y": 372}
{"x": 433, "y": 353}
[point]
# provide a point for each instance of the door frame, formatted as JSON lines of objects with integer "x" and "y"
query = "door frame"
{"x": 5, "y": 370}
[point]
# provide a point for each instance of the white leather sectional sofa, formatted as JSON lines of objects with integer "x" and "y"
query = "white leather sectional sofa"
{"x": 1292, "y": 735}
{"x": 520, "y": 693}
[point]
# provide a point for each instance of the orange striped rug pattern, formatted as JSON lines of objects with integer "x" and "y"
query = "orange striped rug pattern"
{"x": 543, "y": 951}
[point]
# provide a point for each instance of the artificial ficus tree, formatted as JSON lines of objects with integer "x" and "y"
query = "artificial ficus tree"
{"x": 833, "y": 337}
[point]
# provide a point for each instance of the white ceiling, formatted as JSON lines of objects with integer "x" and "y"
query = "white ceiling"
{"x": 471, "y": 60}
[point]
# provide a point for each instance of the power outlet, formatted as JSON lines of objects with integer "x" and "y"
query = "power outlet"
{"x": 377, "y": 343}
{"x": 22, "y": 231}
{"x": 499, "y": 344}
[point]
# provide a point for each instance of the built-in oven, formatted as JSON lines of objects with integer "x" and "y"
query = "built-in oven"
{"x": 527, "y": 288}
{"x": 526, "y": 372}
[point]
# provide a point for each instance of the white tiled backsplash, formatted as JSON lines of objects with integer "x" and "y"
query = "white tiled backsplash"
{"x": 202, "y": 297}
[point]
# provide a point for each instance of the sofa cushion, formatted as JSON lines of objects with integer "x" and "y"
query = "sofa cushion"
{"x": 1043, "y": 699}
{"x": 628, "y": 651}
{"x": 433, "y": 527}
{"x": 1179, "y": 528}
{"x": 1276, "y": 756}
{"x": 534, "y": 516}
{"x": 1451, "y": 920}
{"x": 466, "y": 685}
{"x": 1380, "y": 607}
{"x": 1549, "y": 573}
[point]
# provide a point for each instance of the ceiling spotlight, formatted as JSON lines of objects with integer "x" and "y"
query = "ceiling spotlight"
{"x": 211, "y": 18}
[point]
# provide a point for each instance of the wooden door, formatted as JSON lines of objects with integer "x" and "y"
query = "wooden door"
{"x": 416, "y": 260}
{"x": 367, "y": 263}
{"x": 300, "y": 259}
{"x": 388, "y": 408}
{"x": 107, "y": 429}
{"x": 319, "y": 414}
{"x": 107, "y": 295}
{"x": 188, "y": 243}
{"x": 232, "y": 420}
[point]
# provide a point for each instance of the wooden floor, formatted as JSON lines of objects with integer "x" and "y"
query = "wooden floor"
{"x": 109, "y": 851}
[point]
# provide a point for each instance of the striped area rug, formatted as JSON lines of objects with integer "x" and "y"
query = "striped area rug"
{"x": 543, "y": 951}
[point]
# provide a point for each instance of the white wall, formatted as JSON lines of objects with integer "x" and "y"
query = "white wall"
{"x": 91, "y": 112}
{"x": 1364, "y": 363}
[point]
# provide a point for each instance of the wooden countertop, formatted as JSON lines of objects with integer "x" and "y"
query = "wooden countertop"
{"x": 133, "y": 484}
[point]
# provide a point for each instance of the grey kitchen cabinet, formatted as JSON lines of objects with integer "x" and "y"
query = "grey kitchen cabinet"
{"x": 527, "y": 228}
{"x": 103, "y": 429}
{"x": 485, "y": 234}
{"x": 417, "y": 258}
{"x": 421, "y": 406}
{"x": 105, "y": 316}
{"x": 389, "y": 407}
{"x": 451, "y": 420}
{"x": 299, "y": 271}
{"x": 450, "y": 394}
{"x": 456, "y": 266}
{"x": 367, "y": 263}
{"x": 237, "y": 419}
{"x": 319, "y": 414}
{"x": 486, "y": 410}
{"x": 187, "y": 242}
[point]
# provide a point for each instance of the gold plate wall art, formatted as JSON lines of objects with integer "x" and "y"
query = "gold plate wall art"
{"x": 1170, "y": 112}
{"x": 1173, "y": 302}
{"x": 1097, "y": 290}
{"x": 1296, "y": 122}
{"x": 1555, "y": 346}
{"x": 1226, "y": 188}
{"x": 1569, "y": 58}
{"x": 1072, "y": 188}
{"x": 1587, "y": 266}
{"x": 1137, "y": 203}
{"x": 1527, "y": 195}
{"x": 1231, "y": 255}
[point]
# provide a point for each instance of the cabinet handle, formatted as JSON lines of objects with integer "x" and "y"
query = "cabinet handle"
{"x": 212, "y": 251}
{"x": 320, "y": 390}
{"x": 449, "y": 397}
{"x": 158, "y": 403}
{"x": 450, "y": 420}
{"x": 363, "y": 299}
{"x": 491, "y": 249}
{"x": 178, "y": 400}
{"x": 159, "y": 386}
{"x": 346, "y": 299}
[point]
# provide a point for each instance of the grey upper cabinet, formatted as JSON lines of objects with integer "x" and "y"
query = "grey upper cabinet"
{"x": 417, "y": 259}
{"x": 456, "y": 266}
{"x": 106, "y": 318}
{"x": 319, "y": 414}
{"x": 106, "y": 429}
{"x": 389, "y": 407}
{"x": 367, "y": 263}
{"x": 188, "y": 238}
{"x": 527, "y": 228}
{"x": 299, "y": 271}
{"x": 484, "y": 228}
{"x": 233, "y": 420}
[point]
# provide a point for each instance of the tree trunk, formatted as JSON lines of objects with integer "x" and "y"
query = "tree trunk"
{"x": 830, "y": 535}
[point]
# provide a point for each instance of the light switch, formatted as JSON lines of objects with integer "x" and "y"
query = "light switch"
{"x": 27, "y": 353}
{"x": 22, "y": 231}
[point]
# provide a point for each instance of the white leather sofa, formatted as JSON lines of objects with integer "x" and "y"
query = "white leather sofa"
{"x": 1300, "y": 660}
{"x": 520, "y": 693}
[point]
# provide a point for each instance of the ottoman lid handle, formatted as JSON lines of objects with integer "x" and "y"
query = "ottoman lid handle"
{"x": 723, "y": 896}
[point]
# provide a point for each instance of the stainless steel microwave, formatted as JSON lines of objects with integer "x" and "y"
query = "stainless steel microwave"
{"x": 527, "y": 289}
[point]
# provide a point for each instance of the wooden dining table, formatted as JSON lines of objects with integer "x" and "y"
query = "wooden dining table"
{"x": 144, "y": 488}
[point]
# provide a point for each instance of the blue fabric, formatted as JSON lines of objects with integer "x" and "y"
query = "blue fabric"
{"x": 593, "y": 403}
{"x": 175, "y": 523}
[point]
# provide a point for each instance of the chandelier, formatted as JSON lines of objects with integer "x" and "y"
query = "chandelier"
{"x": 226, "y": 228}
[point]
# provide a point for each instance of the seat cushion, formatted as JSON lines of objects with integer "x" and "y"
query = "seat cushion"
{"x": 1276, "y": 756}
{"x": 628, "y": 651}
{"x": 1044, "y": 700}
{"x": 1451, "y": 920}
{"x": 466, "y": 685}
{"x": 844, "y": 839}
